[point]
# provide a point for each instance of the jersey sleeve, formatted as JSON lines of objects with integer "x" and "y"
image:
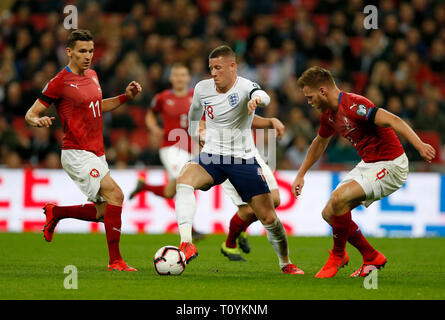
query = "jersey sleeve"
{"x": 363, "y": 110}
{"x": 325, "y": 130}
{"x": 156, "y": 103}
{"x": 52, "y": 91}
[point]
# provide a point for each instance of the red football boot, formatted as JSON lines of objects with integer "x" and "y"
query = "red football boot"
{"x": 120, "y": 265}
{"x": 189, "y": 250}
{"x": 291, "y": 269}
{"x": 378, "y": 262}
{"x": 50, "y": 223}
{"x": 332, "y": 266}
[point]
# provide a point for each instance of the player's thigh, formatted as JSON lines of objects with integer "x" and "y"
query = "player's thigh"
{"x": 86, "y": 170}
{"x": 262, "y": 205}
{"x": 195, "y": 175}
{"x": 110, "y": 191}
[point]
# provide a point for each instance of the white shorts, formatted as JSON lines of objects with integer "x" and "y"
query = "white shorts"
{"x": 230, "y": 190}
{"x": 86, "y": 170}
{"x": 173, "y": 159}
{"x": 379, "y": 179}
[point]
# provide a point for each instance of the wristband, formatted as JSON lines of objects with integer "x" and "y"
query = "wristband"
{"x": 122, "y": 98}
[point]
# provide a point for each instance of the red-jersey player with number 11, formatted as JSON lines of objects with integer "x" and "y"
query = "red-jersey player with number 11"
{"x": 76, "y": 93}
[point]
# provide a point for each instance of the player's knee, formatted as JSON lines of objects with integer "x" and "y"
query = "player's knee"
{"x": 337, "y": 200}
{"x": 268, "y": 218}
{"x": 118, "y": 196}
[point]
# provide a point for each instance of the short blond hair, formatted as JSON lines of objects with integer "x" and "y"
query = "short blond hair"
{"x": 315, "y": 77}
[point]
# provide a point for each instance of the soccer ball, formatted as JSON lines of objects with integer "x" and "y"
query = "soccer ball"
{"x": 169, "y": 260}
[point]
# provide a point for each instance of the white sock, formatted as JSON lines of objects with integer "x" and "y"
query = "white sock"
{"x": 185, "y": 207}
{"x": 278, "y": 239}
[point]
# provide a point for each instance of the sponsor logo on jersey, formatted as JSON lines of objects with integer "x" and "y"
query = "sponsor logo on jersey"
{"x": 94, "y": 173}
{"x": 233, "y": 99}
{"x": 361, "y": 111}
{"x": 74, "y": 85}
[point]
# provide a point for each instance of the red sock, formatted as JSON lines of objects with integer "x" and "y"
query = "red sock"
{"x": 157, "y": 190}
{"x": 357, "y": 239}
{"x": 112, "y": 221}
{"x": 86, "y": 212}
{"x": 249, "y": 222}
{"x": 235, "y": 228}
{"x": 340, "y": 232}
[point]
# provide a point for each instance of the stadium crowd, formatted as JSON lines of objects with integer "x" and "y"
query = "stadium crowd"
{"x": 399, "y": 66}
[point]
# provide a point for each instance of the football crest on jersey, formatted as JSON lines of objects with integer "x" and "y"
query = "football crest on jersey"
{"x": 94, "y": 173}
{"x": 233, "y": 99}
{"x": 361, "y": 110}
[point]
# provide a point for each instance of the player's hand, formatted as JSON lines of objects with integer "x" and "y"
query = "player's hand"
{"x": 253, "y": 104}
{"x": 427, "y": 152}
{"x": 278, "y": 126}
{"x": 44, "y": 122}
{"x": 132, "y": 90}
{"x": 297, "y": 186}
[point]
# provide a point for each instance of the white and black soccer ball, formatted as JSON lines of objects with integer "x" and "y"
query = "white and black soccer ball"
{"x": 169, "y": 260}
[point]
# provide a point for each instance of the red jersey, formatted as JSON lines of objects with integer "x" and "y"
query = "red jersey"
{"x": 174, "y": 112}
{"x": 78, "y": 102}
{"x": 354, "y": 120}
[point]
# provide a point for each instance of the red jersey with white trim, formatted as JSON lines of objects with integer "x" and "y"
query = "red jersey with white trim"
{"x": 353, "y": 121}
{"x": 78, "y": 102}
{"x": 174, "y": 112}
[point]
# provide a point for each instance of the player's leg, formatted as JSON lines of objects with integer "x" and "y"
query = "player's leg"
{"x": 193, "y": 176}
{"x": 112, "y": 212}
{"x": 262, "y": 205}
{"x": 172, "y": 159}
{"x": 86, "y": 170}
{"x": 242, "y": 219}
{"x": 337, "y": 213}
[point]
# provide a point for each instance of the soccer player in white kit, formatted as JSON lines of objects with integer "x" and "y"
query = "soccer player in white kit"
{"x": 229, "y": 103}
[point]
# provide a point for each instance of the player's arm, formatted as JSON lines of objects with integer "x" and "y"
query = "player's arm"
{"x": 384, "y": 118}
{"x": 202, "y": 133}
{"x": 195, "y": 115}
{"x": 33, "y": 118}
{"x": 258, "y": 98}
{"x": 151, "y": 121}
{"x": 130, "y": 92}
{"x": 316, "y": 149}
{"x": 268, "y": 123}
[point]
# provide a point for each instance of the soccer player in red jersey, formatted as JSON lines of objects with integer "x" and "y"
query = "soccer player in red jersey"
{"x": 76, "y": 93}
{"x": 383, "y": 169}
{"x": 173, "y": 106}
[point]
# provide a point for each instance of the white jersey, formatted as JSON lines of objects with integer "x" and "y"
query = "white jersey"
{"x": 228, "y": 124}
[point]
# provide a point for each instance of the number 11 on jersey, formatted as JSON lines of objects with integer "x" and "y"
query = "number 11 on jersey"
{"x": 93, "y": 105}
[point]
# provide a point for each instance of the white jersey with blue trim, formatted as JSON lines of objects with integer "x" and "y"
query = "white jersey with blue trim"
{"x": 228, "y": 124}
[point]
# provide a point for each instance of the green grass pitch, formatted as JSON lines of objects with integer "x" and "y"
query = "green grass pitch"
{"x": 30, "y": 268}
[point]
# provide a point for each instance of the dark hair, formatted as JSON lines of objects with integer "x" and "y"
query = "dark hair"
{"x": 179, "y": 64}
{"x": 315, "y": 77}
{"x": 222, "y": 51}
{"x": 78, "y": 34}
